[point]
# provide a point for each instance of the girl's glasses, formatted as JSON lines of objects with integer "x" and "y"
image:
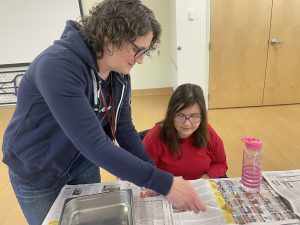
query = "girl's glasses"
{"x": 181, "y": 118}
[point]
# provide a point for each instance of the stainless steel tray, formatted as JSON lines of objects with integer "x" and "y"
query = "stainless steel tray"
{"x": 109, "y": 208}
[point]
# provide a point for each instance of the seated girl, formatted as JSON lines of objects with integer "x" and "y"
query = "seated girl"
{"x": 184, "y": 144}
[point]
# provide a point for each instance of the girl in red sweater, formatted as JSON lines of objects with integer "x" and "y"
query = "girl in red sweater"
{"x": 184, "y": 144}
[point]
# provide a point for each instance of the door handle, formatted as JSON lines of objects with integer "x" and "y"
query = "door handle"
{"x": 274, "y": 41}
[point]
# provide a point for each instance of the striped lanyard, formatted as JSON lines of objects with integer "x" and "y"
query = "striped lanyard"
{"x": 111, "y": 118}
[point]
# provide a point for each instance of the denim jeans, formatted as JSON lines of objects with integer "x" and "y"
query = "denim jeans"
{"x": 36, "y": 202}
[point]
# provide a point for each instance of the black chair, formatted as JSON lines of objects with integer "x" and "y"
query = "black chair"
{"x": 10, "y": 87}
{"x": 225, "y": 176}
{"x": 143, "y": 133}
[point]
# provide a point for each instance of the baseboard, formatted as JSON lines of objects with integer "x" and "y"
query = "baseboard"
{"x": 152, "y": 91}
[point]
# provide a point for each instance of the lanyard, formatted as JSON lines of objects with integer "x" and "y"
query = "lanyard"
{"x": 111, "y": 119}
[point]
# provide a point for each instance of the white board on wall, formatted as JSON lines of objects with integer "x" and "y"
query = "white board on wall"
{"x": 28, "y": 27}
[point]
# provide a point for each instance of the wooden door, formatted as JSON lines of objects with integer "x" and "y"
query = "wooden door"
{"x": 282, "y": 84}
{"x": 239, "y": 45}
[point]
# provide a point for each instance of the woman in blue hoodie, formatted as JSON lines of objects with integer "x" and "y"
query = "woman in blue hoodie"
{"x": 74, "y": 101}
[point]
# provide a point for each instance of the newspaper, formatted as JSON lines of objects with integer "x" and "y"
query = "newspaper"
{"x": 214, "y": 215}
{"x": 287, "y": 185}
{"x": 219, "y": 195}
{"x": 264, "y": 207}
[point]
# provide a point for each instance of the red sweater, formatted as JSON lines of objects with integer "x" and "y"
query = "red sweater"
{"x": 193, "y": 162}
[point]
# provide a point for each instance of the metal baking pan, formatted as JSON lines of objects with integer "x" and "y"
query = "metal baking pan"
{"x": 109, "y": 208}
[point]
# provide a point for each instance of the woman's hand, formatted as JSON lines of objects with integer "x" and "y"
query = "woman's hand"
{"x": 183, "y": 196}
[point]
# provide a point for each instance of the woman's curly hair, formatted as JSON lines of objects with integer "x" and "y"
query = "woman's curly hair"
{"x": 119, "y": 20}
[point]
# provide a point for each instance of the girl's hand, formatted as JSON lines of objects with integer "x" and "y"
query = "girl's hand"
{"x": 205, "y": 176}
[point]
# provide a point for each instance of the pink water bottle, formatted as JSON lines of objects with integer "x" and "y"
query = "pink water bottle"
{"x": 252, "y": 164}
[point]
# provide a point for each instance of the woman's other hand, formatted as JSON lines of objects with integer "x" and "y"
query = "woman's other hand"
{"x": 148, "y": 193}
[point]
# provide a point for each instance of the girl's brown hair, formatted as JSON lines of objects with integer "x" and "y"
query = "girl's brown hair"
{"x": 185, "y": 95}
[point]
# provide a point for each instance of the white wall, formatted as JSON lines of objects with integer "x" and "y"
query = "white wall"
{"x": 28, "y": 27}
{"x": 87, "y": 5}
{"x": 191, "y": 34}
{"x": 159, "y": 71}
{"x": 155, "y": 72}
{"x": 173, "y": 41}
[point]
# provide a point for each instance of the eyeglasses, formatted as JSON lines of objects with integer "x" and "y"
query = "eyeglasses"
{"x": 181, "y": 118}
{"x": 140, "y": 51}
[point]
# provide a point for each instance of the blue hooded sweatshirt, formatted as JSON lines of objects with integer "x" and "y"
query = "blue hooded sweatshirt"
{"x": 54, "y": 121}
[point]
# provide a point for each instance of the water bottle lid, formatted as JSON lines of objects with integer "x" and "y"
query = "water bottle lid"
{"x": 252, "y": 143}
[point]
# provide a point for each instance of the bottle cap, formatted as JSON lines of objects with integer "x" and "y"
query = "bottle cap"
{"x": 252, "y": 143}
